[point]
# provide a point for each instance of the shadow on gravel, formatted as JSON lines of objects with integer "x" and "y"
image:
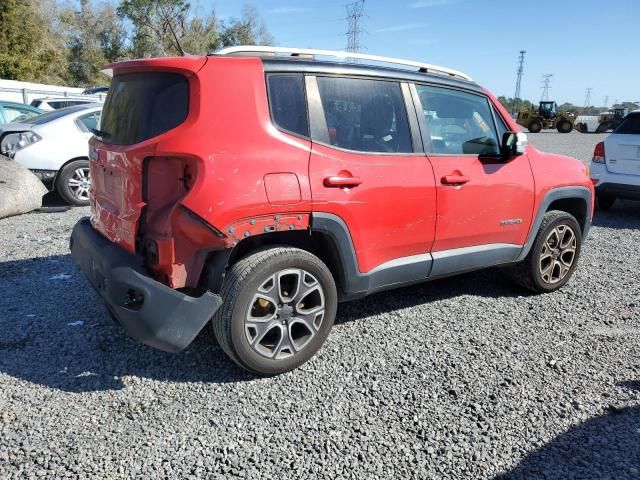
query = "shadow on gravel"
{"x": 55, "y": 332}
{"x": 605, "y": 447}
{"x": 490, "y": 283}
{"x": 623, "y": 214}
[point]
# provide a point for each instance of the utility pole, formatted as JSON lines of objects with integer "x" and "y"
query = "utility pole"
{"x": 516, "y": 95}
{"x": 355, "y": 11}
{"x": 546, "y": 85}
{"x": 587, "y": 98}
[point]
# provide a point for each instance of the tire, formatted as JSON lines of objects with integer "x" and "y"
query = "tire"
{"x": 535, "y": 126}
{"x": 73, "y": 183}
{"x": 532, "y": 273}
{"x": 564, "y": 126}
{"x": 604, "y": 202}
{"x": 285, "y": 340}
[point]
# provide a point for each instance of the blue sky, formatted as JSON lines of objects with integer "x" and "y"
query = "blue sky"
{"x": 583, "y": 43}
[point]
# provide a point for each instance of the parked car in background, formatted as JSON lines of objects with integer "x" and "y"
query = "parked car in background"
{"x": 17, "y": 112}
{"x": 95, "y": 90}
{"x": 255, "y": 188}
{"x": 615, "y": 167}
{"x": 55, "y": 103}
{"x": 55, "y": 147}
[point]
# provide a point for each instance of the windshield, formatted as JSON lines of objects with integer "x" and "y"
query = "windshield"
{"x": 140, "y": 106}
{"x": 630, "y": 125}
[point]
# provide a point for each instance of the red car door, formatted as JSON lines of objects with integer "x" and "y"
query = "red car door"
{"x": 482, "y": 200}
{"x": 367, "y": 168}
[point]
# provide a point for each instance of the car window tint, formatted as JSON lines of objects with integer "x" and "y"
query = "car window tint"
{"x": 630, "y": 125}
{"x": 12, "y": 114}
{"x": 458, "y": 122}
{"x": 287, "y": 103}
{"x": 365, "y": 115}
{"x": 90, "y": 121}
{"x": 502, "y": 127}
{"x": 57, "y": 105}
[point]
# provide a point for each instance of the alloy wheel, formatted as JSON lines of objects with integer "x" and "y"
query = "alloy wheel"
{"x": 558, "y": 254}
{"x": 285, "y": 313}
{"x": 79, "y": 183}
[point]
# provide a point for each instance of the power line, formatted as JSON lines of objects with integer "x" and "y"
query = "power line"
{"x": 355, "y": 12}
{"x": 516, "y": 95}
{"x": 546, "y": 85}
{"x": 587, "y": 98}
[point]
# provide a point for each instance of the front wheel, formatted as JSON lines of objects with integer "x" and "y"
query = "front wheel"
{"x": 279, "y": 306}
{"x": 564, "y": 126}
{"x": 73, "y": 182}
{"x": 554, "y": 255}
{"x": 535, "y": 126}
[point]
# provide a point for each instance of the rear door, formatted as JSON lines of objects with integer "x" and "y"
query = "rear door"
{"x": 483, "y": 200}
{"x": 622, "y": 147}
{"x": 368, "y": 169}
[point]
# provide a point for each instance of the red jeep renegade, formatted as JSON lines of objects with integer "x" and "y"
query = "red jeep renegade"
{"x": 255, "y": 188}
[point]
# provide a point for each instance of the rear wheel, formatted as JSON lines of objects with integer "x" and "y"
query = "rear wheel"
{"x": 73, "y": 182}
{"x": 564, "y": 126}
{"x": 553, "y": 256}
{"x": 279, "y": 306}
{"x": 604, "y": 202}
{"x": 535, "y": 126}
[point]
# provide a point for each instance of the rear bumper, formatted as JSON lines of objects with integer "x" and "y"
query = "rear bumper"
{"x": 148, "y": 310}
{"x": 620, "y": 190}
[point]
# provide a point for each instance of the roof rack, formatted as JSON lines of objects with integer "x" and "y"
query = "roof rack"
{"x": 258, "y": 50}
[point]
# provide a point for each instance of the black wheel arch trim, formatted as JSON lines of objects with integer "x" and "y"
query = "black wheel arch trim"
{"x": 561, "y": 193}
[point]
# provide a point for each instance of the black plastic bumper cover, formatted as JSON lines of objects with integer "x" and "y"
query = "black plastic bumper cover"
{"x": 148, "y": 310}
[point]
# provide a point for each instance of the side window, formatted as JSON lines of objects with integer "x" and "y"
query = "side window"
{"x": 57, "y": 105}
{"x": 365, "y": 115}
{"x": 458, "y": 122}
{"x": 502, "y": 127}
{"x": 288, "y": 104}
{"x": 90, "y": 121}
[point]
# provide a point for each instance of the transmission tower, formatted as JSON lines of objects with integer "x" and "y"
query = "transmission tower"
{"x": 606, "y": 101}
{"x": 355, "y": 12}
{"x": 546, "y": 85}
{"x": 587, "y": 98}
{"x": 516, "y": 95}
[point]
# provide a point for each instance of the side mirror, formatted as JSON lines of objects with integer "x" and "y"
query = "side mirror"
{"x": 513, "y": 144}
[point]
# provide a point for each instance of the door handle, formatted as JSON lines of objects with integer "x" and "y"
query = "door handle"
{"x": 455, "y": 180}
{"x": 338, "y": 181}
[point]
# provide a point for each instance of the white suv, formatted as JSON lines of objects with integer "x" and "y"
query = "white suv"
{"x": 615, "y": 167}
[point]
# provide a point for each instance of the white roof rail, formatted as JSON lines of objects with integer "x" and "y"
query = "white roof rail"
{"x": 259, "y": 50}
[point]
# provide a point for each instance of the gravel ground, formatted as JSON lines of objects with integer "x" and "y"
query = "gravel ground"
{"x": 460, "y": 378}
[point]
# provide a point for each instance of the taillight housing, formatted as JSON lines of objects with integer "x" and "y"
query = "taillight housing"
{"x": 598, "y": 153}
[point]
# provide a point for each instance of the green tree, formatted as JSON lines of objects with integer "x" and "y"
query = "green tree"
{"x": 28, "y": 51}
{"x": 158, "y": 25}
{"x": 249, "y": 29}
{"x": 94, "y": 36}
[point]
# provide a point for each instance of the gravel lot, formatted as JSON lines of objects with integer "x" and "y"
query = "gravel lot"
{"x": 467, "y": 377}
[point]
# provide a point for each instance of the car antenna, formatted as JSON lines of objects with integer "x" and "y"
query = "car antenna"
{"x": 175, "y": 37}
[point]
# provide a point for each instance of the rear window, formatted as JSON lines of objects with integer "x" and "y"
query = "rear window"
{"x": 630, "y": 125}
{"x": 140, "y": 106}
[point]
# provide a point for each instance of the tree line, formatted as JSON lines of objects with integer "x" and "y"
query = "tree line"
{"x": 61, "y": 43}
{"x": 512, "y": 105}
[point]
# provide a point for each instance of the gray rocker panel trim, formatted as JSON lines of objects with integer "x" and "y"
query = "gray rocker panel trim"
{"x": 582, "y": 193}
{"x": 459, "y": 260}
{"x": 406, "y": 270}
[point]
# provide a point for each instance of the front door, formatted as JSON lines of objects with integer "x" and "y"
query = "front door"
{"x": 483, "y": 201}
{"x": 368, "y": 169}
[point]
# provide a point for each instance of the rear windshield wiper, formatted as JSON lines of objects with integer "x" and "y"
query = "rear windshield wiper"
{"x": 100, "y": 133}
